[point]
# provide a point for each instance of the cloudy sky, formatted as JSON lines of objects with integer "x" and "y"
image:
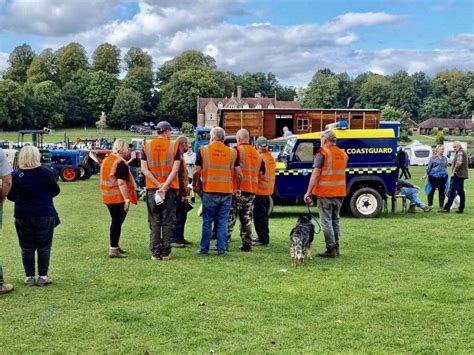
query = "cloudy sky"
{"x": 291, "y": 38}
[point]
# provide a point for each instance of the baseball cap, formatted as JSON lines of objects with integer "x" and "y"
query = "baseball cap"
{"x": 261, "y": 141}
{"x": 163, "y": 126}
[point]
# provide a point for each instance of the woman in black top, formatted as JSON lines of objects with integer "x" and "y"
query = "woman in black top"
{"x": 33, "y": 189}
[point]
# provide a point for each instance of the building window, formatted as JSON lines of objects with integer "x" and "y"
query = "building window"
{"x": 211, "y": 117}
{"x": 220, "y": 105}
{"x": 232, "y": 106}
{"x": 258, "y": 106}
{"x": 302, "y": 124}
{"x": 246, "y": 105}
{"x": 271, "y": 106}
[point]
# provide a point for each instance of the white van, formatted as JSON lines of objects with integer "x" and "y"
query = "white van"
{"x": 419, "y": 153}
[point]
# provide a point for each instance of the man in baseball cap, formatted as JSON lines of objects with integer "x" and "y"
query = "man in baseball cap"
{"x": 265, "y": 187}
{"x": 163, "y": 126}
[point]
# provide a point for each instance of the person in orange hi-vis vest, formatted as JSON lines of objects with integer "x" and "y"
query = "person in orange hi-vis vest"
{"x": 242, "y": 199}
{"x": 118, "y": 191}
{"x": 265, "y": 187}
{"x": 216, "y": 166}
{"x": 160, "y": 162}
{"x": 178, "y": 240}
{"x": 328, "y": 184}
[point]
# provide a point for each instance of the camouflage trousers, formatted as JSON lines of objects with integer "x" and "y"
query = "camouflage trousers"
{"x": 242, "y": 207}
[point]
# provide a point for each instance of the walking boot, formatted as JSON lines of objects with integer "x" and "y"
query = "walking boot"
{"x": 115, "y": 253}
{"x": 329, "y": 253}
{"x": 412, "y": 209}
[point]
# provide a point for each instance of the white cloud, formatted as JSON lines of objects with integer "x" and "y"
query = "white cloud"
{"x": 465, "y": 40}
{"x": 3, "y": 61}
{"x": 165, "y": 28}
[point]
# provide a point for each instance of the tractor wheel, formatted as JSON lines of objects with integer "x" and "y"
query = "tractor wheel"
{"x": 68, "y": 174}
{"x": 366, "y": 203}
{"x": 84, "y": 172}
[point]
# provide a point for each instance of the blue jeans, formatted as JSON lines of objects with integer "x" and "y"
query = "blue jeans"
{"x": 456, "y": 186}
{"x": 215, "y": 205}
{"x": 329, "y": 214}
{"x": 135, "y": 171}
{"x": 412, "y": 194}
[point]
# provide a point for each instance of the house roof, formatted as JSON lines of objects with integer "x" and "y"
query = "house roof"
{"x": 451, "y": 123}
{"x": 251, "y": 101}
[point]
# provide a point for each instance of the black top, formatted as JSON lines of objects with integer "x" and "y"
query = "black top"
{"x": 33, "y": 191}
{"x": 122, "y": 171}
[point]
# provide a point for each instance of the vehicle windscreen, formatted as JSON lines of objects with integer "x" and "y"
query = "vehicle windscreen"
{"x": 203, "y": 136}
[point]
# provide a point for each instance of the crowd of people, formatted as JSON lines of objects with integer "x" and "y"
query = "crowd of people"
{"x": 234, "y": 184}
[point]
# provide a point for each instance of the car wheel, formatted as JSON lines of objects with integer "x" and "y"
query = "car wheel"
{"x": 366, "y": 203}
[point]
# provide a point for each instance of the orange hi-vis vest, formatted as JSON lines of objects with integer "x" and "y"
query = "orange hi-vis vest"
{"x": 218, "y": 162}
{"x": 332, "y": 180}
{"x": 160, "y": 154}
{"x": 109, "y": 187}
{"x": 250, "y": 162}
{"x": 266, "y": 182}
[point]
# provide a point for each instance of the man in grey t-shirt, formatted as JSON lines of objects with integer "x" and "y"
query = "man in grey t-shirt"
{"x": 6, "y": 176}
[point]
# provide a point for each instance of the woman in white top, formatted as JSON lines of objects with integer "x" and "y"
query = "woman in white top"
{"x": 190, "y": 160}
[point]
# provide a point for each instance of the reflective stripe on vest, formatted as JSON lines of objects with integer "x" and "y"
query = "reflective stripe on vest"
{"x": 266, "y": 182}
{"x": 218, "y": 163}
{"x": 160, "y": 153}
{"x": 250, "y": 161}
{"x": 332, "y": 180}
{"x": 109, "y": 187}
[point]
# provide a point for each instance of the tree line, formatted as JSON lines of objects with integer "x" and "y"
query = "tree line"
{"x": 65, "y": 88}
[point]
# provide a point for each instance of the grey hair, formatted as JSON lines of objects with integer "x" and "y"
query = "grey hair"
{"x": 244, "y": 135}
{"x": 217, "y": 134}
{"x": 329, "y": 135}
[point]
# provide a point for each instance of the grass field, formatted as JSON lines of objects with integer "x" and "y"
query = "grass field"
{"x": 404, "y": 283}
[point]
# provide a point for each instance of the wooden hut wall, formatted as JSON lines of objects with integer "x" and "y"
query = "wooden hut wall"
{"x": 235, "y": 120}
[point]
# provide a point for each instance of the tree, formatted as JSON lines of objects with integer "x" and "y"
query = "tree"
{"x": 75, "y": 109}
{"x": 452, "y": 87}
{"x": 187, "y": 127}
{"x": 286, "y": 93}
{"x": 70, "y": 59}
{"x": 127, "y": 108}
{"x": 136, "y": 57}
{"x": 19, "y": 60}
{"x": 140, "y": 79}
{"x": 48, "y": 102}
{"x": 100, "y": 92}
{"x": 435, "y": 107}
{"x": 345, "y": 97}
{"x": 440, "y": 137}
{"x": 374, "y": 92}
{"x": 12, "y": 103}
{"x": 43, "y": 67}
{"x": 323, "y": 90}
{"x": 390, "y": 113}
{"x": 106, "y": 57}
{"x": 403, "y": 93}
{"x": 178, "y": 96}
{"x": 187, "y": 60}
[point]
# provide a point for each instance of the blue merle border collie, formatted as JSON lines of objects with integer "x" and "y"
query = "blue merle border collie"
{"x": 301, "y": 240}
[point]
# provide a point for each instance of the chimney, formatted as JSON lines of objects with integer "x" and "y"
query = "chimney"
{"x": 258, "y": 95}
{"x": 239, "y": 92}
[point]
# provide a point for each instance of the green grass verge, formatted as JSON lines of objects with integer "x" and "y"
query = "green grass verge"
{"x": 403, "y": 284}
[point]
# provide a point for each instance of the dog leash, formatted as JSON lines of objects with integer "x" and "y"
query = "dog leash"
{"x": 318, "y": 225}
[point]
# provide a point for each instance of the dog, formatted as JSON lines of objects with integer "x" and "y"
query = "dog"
{"x": 301, "y": 240}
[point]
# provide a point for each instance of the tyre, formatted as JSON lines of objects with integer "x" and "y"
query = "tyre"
{"x": 68, "y": 174}
{"x": 366, "y": 203}
{"x": 84, "y": 172}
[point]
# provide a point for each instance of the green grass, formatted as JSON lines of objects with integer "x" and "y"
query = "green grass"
{"x": 403, "y": 284}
